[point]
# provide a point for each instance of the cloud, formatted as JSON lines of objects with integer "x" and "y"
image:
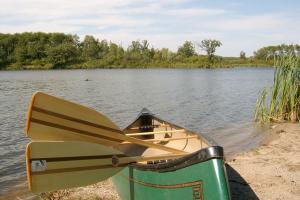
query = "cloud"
{"x": 165, "y": 23}
{"x": 250, "y": 23}
{"x": 40, "y": 27}
{"x": 195, "y": 12}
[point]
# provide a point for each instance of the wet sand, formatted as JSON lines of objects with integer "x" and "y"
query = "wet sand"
{"x": 270, "y": 171}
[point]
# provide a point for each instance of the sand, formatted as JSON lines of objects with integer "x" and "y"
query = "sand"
{"x": 270, "y": 171}
{"x": 104, "y": 190}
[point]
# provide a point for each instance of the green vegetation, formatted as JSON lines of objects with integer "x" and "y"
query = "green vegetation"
{"x": 242, "y": 55}
{"x": 210, "y": 47}
{"x": 272, "y": 52}
{"x": 284, "y": 103}
{"x": 59, "y": 50}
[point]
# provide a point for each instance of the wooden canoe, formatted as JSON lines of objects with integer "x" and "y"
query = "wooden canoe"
{"x": 198, "y": 175}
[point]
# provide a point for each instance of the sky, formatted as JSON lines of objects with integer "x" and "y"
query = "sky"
{"x": 244, "y": 25}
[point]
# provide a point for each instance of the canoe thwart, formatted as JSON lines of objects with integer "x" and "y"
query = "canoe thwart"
{"x": 155, "y": 132}
{"x": 167, "y": 139}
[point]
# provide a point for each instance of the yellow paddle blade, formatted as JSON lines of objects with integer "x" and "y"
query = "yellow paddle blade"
{"x": 52, "y": 118}
{"x": 59, "y": 165}
{"x": 54, "y": 165}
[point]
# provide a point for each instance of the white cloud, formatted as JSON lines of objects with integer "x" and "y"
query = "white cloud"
{"x": 250, "y": 23}
{"x": 195, "y": 12}
{"x": 40, "y": 27}
{"x": 165, "y": 23}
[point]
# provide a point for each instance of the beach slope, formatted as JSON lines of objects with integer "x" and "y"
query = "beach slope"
{"x": 271, "y": 171}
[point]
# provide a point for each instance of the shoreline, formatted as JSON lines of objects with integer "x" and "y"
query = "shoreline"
{"x": 229, "y": 66}
{"x": 269, "y": 171}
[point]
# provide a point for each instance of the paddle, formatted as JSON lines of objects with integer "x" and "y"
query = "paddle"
{"x": 52, "y": 118}
{"x": 53, "y": 165}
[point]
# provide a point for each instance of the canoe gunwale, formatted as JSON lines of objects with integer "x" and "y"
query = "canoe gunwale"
{"x": 213, "y": 152}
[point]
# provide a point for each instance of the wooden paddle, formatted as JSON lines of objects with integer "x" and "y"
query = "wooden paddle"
{"x": 53, "y": 165}
{"x": 52, "y": 118}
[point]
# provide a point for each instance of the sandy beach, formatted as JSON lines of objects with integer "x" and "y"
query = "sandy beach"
{"x": 270, "y": 171}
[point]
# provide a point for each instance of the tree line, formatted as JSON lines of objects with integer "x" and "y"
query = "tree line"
{"x": 271, "y": 52}
{"x": 58, "y": 50}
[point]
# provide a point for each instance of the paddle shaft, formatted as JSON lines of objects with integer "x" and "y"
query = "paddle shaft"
{"x": 116, "y": 162}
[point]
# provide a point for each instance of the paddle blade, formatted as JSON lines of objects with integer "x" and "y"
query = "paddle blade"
{"x": 59, "y": 165}
{"x": 52, "y": 118}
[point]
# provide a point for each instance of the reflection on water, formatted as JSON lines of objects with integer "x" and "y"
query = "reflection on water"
{"x": 218, "y": 103}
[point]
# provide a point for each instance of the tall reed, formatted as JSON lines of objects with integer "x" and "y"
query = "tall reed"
{"x": 284, "y": 101}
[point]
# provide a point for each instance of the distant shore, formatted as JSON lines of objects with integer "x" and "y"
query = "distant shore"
{"x": 157, "y": 66}
{"x": 38, "y": 50}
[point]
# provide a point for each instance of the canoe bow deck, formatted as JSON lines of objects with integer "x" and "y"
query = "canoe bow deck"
{"x": 198, "y": 175}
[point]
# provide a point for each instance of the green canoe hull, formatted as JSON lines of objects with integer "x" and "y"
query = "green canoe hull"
{"x": 203, "y": 180}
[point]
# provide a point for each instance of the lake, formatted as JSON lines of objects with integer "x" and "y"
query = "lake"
{"x": 217, "y": 102}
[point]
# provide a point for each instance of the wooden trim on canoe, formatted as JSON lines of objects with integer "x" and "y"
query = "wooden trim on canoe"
{"x": 167, "y": 139}
{"x": 160, "y": 157}
{"x": 171, "y": 139}
{"x": 155, "y": 132}
{"x": 149, "y": 126}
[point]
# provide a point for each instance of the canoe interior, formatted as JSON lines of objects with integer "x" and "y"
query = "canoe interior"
{"x": 161, "y": 132}
{"x": 198, "y": 175}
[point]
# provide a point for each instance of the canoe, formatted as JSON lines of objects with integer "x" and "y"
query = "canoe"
{"x": 73, "y": 145}
{"x": 198, "y": 175}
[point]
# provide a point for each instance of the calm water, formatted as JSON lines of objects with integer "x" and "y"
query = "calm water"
{"x": 219, "y": 103}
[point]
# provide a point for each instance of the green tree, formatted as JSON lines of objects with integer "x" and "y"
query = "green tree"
{"x": 210, "y": 47}
{"x": 114, "y": 55}
{"x": 62, "y": 54}
{"x": 187, "y": 49}
{"x": 271, "y": 52}
{"x": 104, "y": 48}
{"x": 2, "y": 57}
{"x": 144, "y": 45}
{"x": 20, "y": 54}
{"x": 165, "y": 54}
{"x": 90, "y": 48}
{"x": 242, "y": 55}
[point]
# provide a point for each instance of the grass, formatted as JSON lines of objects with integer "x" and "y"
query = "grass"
{"x": 284, "y": 99}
